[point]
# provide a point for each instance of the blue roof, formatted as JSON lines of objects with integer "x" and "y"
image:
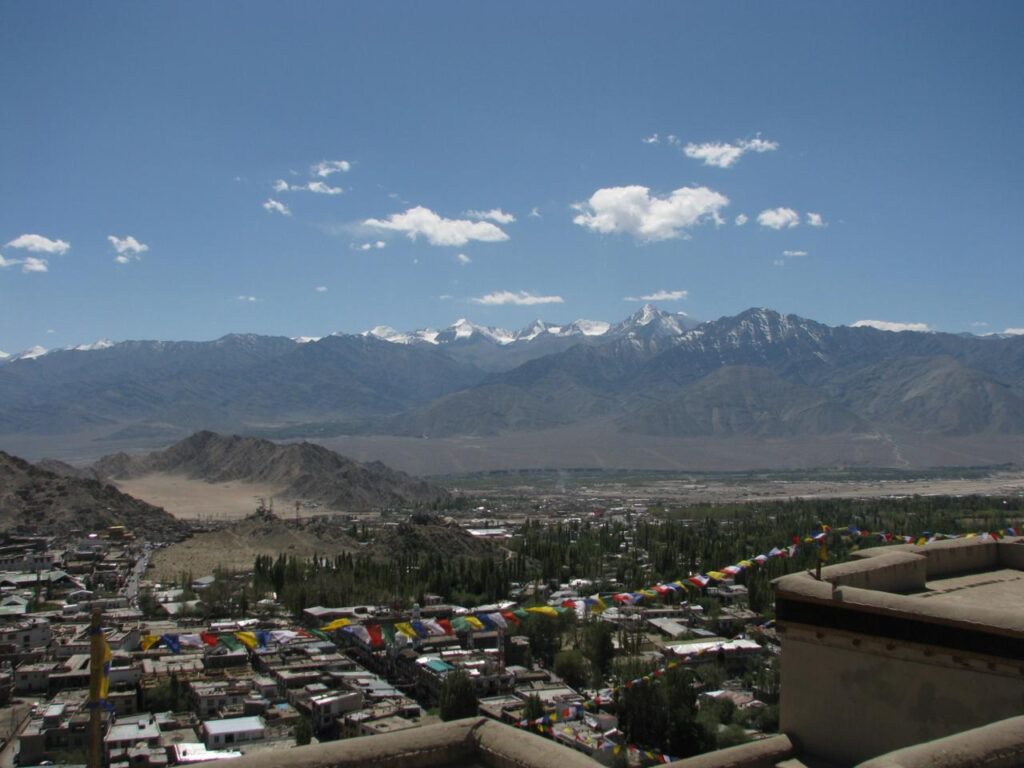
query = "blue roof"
{"x": 439, "y": 666}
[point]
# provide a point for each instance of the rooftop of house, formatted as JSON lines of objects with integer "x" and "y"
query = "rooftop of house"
{"x": 969, "y": 585}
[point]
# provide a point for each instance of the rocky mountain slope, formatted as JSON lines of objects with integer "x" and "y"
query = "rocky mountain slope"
{"x": 304, "y": 470}
{"x": 34, "y": 500}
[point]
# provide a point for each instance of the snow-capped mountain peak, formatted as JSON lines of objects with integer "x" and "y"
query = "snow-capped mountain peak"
{"x": 101, "y": 344}
{"x": 31, "y": 354}
{"x": 590, "y": 327}
{"x": 387, "y": 333}
{"x": 646, "y": 314}
{"x": 535, "y": 329}
{"x": 463, "y": 329}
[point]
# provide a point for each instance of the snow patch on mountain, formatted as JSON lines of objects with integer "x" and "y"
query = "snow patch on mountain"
{"x": 31, "y": 354}
{"x": 101, "y": 344}
{"x": 591, "y": 327}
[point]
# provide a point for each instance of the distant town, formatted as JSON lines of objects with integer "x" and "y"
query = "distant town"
{"x": 212, "y": 666}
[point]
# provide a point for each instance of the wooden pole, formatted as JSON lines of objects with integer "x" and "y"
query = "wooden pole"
{"x": 95, "y": 686}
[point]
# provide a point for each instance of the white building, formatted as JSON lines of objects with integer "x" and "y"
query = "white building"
{"x": 233, "y": 730}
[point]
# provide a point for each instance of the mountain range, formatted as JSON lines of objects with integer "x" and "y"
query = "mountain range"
{"x": 759, "y": 375}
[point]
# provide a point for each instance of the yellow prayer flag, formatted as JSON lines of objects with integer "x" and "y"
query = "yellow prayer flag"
{"x": 336, "y": 624}
{"x": 107, "y": 657}
{"x": 406, "y": 629}
{"x": 543, "y": 610}
{"x": 248, "y": 639}
{"x": 148, "y": 641}
{"x": 474, "y": 622}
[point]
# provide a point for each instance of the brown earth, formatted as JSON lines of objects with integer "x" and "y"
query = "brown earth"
{"x": 189, "y": 499}
{"x": 235, "y": 545}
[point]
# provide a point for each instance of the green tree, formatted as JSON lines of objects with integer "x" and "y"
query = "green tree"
{"x": 544, "y": 634}
{"x": 597, "y": 645}
{"x": 533, "y": 708}
{"x": 686, "y": 736}
{"x": 303, "y": 732}
{"x": 731, "y": 736}
{"x": 458, "y": 697}
{"x": 571, "y": 666}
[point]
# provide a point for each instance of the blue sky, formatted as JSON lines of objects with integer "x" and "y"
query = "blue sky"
{"x": 898, "y": 124}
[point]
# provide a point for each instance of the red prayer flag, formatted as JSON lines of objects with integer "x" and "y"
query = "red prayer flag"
{"x": 376, "y": 636}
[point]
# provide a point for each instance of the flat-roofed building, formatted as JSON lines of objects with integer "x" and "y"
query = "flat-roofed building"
{"x": 903, "y": 645}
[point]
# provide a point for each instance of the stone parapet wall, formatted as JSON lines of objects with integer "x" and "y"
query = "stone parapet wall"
{"x": 997, "y": 745}
{"x": 473, "y": 741}
{"x": 765, "y": 753}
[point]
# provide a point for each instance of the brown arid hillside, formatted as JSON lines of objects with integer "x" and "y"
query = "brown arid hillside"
{"x": 35, "y": 500}
{"x": 302, "y": 470}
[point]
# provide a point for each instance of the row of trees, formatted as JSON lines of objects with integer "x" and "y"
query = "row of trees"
{"x": 653, "y": 548}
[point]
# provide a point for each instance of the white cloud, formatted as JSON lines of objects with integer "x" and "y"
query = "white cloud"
{"x": 321, "y": 289}
{"x": 722, "y": 154}
{"x": 496, "y": 215}
{"x": 535, "y": 213}
{"x": 778, "y": 218}
{"x": 717, "y": 155}
{"x": 322, "y": 188}
{"x": 28, "y": 264}
{"x": 247, "y": 298}
{"x": 32, "y": 264}
{"x": 445, "y": 297}
{"x": 815, "y": 220}
{"x": 318, "y": 187}
{"x": 741, "y": 220}
{"x": 633, "y": 210}
{"x": 520, "y": 298}
{"x": 376, "y": 245}
{"x": 1014, "y": 332}
{"x": 673, "y": 140}
{"x": 40, "y": 244}
{"x": 779, "y": 263}
{"x": 885, "y": 325}
{"x": 127, "y": 244}
{"x": 464, "y": 259}
{"x": 128, "y": 248}
{"x": 325, "y": 168}
{"x": 652, "y": 139}
{"x": 437, "y": 229}
{"x": 660, "y": 296}
{"x": 794, "y": 254}
{"x": 273, "y": 206}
